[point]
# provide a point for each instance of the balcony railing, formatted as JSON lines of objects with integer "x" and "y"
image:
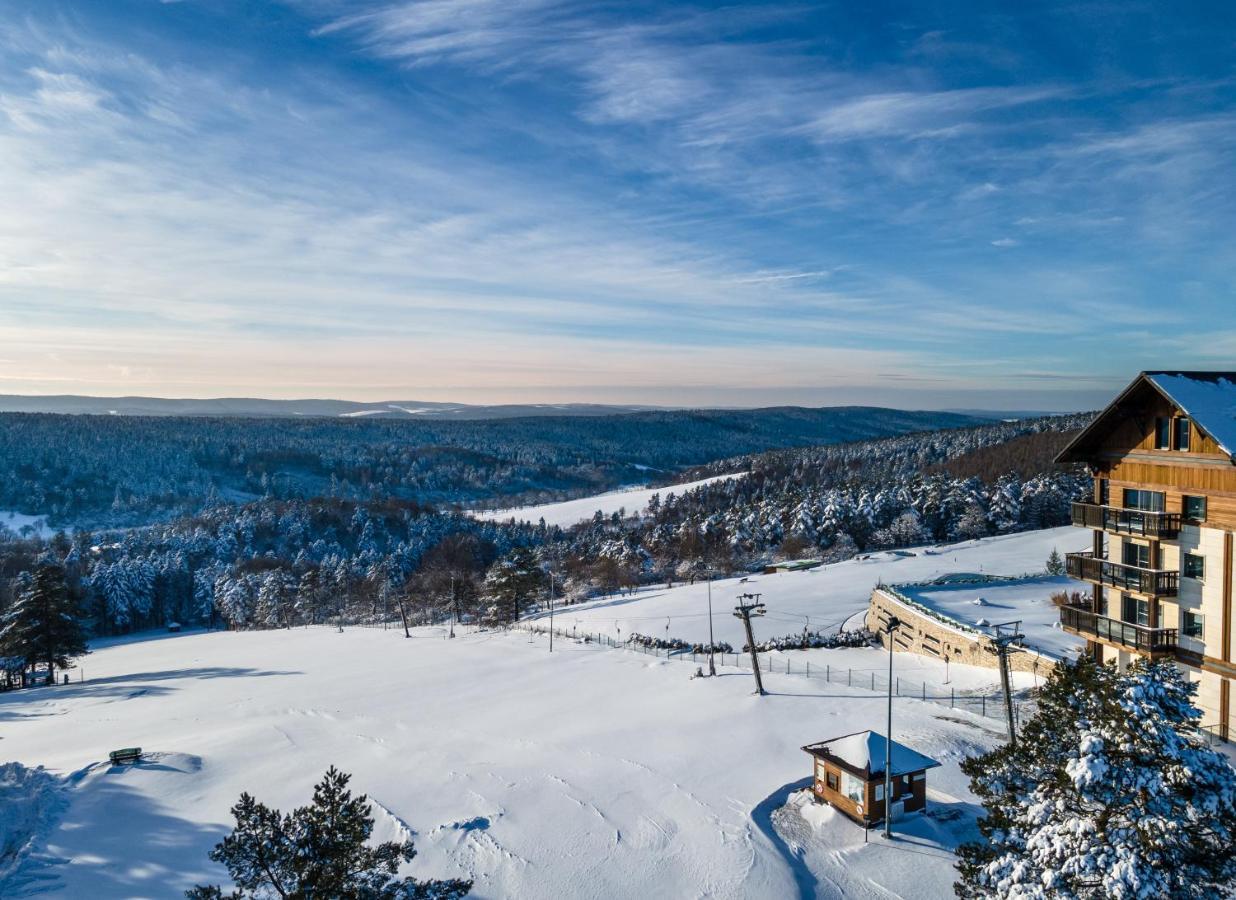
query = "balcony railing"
{"x": 1155, "y": 582}
{"x": 1135, "y": 637}
{"x": 1127, "y": 521}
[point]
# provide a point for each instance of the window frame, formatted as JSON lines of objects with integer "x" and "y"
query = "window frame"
{"x": 1181, "y": 429}
{"x": 1163, "y": 433}
{"x": 1186, "y": 558}
{"x": 1184, "y": 507}
{"x": 1192, "y": 623}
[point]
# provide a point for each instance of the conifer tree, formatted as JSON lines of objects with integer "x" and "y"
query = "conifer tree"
{"x": 43, "y": 626}
{"x": 317, "y": 851}
{"x": 1109, "y": 792}
{"x": 1055, "y": 565}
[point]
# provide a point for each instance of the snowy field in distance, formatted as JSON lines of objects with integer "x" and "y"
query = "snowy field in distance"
{"x": 15, "y": 521}
{"x": 830, "y": 596}
{"x": 585, "y": 773}
{"x": 572, "y": 512}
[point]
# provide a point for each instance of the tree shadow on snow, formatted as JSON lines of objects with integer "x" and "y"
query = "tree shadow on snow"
{"x": 117, "y": 841}
{"x": 762, "y": 817}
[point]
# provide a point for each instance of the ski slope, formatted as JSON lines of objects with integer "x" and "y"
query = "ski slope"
{"x": 585, "y": 773}
{"x": 828, "y": 597}
{"x": 572, "y": 512}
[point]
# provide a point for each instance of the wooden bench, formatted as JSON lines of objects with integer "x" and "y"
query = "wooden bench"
{"x": 127, "y": 755}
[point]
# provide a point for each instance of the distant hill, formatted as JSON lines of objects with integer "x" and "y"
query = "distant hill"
{"x": 254, "y": 407}
{"x": 127, "y": 469}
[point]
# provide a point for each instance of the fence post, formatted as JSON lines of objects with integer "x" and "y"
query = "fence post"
{"x": 873, "y": 681}
{"x": 952, "y": 698}
{"x": 808, "y": 668}
{"x": 924, "y": 690}
{"x": 849, "y": 681}
{"x": 984, "y": 699}
{"x": 898, "y": 687}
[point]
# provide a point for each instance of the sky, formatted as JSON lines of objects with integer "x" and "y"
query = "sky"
{"x": 961, "y": 205}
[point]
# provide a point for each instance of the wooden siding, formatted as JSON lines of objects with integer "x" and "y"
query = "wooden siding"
{"x": 1217, "y": 485}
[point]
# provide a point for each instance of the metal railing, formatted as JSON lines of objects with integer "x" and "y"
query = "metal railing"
{"x": 1116, "y": 519}
{"x": 989, "y": 704}
{"x": 1156, "y": 582}
{"x": 1135, "y": 637}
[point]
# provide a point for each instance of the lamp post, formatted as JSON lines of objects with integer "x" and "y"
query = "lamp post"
{"x": 712, "y": 665}
{"x": 893, "y": 624}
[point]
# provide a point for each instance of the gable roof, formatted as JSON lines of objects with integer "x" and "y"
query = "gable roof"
{"x": 1208, "y": 398}
{"x": 863, "y": 754}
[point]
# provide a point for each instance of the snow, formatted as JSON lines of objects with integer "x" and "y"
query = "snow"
{"x": 15, "y": 522}
{"x": 582, "y": 773}
{"x": 1210, "y": 402}
{"x": 866, "y": 751}
{"x": 831, "y": 596}
{"x": 1024, "y": 599}
{"x": 572, "y": 512}
{"x": 30, "y": 801}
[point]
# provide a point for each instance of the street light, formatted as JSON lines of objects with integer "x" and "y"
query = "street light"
{"x": 712, "y": 665}
{"x": 892, "y": 625}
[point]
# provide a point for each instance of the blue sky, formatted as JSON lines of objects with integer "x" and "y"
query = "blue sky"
{"x": 917, "y": 205}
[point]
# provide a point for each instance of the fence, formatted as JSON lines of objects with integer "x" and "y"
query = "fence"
{"x": 984, "y": 703}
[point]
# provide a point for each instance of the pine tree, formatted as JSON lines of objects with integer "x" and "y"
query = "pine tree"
{"x": 1109, "y": 792}
{"x": 1055, "y": 565}
{"x": 316, "y": 851}
{"x": 43, "y": 625}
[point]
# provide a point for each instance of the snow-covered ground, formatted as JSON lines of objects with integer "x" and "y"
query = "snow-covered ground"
{"x": 585, "y": 773}
{"x": 831, "y": 596}
{"x": 983, "y": 606}
{"x": 15, "y": 522}
{"x": 572, "y": 512}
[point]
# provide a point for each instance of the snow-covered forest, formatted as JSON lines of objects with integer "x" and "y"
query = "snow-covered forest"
{"x": 128, "y": 470}
{"x": 277, "y": 561}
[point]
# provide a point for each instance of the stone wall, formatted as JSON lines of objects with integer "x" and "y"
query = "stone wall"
{"x": 923, "y": 633}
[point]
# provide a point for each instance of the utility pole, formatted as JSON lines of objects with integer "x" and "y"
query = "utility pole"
{"x": 454, "y": 606}
{"x": 551, "y": 612}
{"x": 403, "y": 615}
{"x": 892, "y": 625}
{"x": 745, "y": 610}
{"x": 712, "y": 665}
{"x": 1008, "y": 637}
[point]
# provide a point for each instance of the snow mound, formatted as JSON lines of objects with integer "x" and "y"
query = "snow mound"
{"x": 31, "y": 800}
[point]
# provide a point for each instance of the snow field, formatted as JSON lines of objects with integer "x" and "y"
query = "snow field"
{"x": 833, "y": 595}
{"x": 585, "y": 773}
{"x": 572, "y": 512}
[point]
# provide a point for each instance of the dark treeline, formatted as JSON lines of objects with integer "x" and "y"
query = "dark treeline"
{"x": 126, "y": 470}
{"x": 276, "y": 562}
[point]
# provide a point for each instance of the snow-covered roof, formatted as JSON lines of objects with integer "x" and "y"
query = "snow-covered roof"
{"x": 1208, "y": 398}
{"x": 864, "y": 752}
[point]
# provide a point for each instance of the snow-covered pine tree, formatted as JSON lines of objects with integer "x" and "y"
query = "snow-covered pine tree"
{"x": 1055, "y": 565}
{"x": 1109, "y": 792}
{"x": 320, "y": 850}
{"x": 43, "y": 626}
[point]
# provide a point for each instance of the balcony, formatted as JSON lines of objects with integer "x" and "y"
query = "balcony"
{"x": 1149, "y": 641}
{"x": 1152, "y": 582}
{"x": 1159, "y": 525}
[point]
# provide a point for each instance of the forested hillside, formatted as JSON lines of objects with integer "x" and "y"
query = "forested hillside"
{"x": 273, "y": 561}
{"x": 127, "y": 470}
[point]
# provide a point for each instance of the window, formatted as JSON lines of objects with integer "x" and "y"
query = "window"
{"x": 1194, "y": 565}
{"x": 1147, "y": 501}
{"x": 1135, "y": 611}
{"x": 830, "y": 779}
{"x": 852, "y": 787}
{"x": 1192, "y": 623}
{"x": 1194, "y": 508}
{"x": 1133, "y": 554}
{"x": 1105, "y": 492}
{"x": 879, "y": 791}
{"x": 1182, "y": 434}
{"x": 1163, "y": 433}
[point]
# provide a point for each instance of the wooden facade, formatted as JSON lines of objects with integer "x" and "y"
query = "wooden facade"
{"x": 849, "y": 775}
{"x": 1162, "y": 514}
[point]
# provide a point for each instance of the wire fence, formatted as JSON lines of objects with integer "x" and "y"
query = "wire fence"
{"x": 989, "y": 704}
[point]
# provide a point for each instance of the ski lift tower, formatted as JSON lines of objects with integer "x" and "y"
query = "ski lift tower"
{"x": 1008, "y": 638}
